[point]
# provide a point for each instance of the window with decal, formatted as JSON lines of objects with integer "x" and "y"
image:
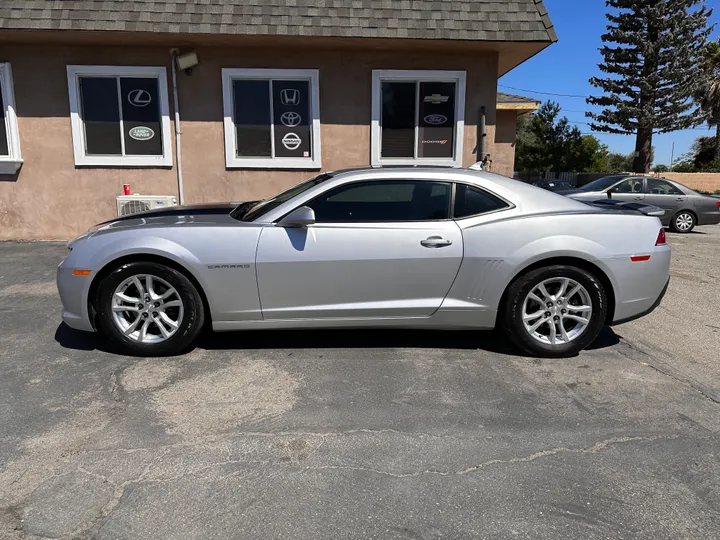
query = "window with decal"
{"x": 272, "y": 118}
{"x": 10, "y": 159}
{"x": 120, "y": 115}
{"x": 418, "y": 117}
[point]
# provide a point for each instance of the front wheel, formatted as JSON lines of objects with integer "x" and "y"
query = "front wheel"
{"x": 683, "y": 222}
{"x": 555, "y": 311}
{"x": 149, "y": 309}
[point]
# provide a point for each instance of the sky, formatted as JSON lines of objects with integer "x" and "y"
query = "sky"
{"x": 566, "y": 67}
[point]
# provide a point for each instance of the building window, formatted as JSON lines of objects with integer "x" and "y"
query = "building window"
{"x": 10, "y": 158}
{"x": 272, "y": 118}
{"x": 120, "y": 116}
{"x": 418, "y": 117}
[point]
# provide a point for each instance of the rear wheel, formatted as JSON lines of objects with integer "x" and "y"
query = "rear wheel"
{"x": 149, "y": 309}
{"x": 555, "y": 311}
{"x": 683, "y": 222}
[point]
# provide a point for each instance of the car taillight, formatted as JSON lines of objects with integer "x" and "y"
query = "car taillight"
{"x": 718, "y": 204}
{"x": 661, "y": 240}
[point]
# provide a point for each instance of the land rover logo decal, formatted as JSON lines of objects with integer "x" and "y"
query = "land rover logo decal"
{"x": 141, "y": 133}
{"x": 435, "y": 119}
{"x": 139, "y": 97}
{"x": 290, "y": 119}
{"x": 291, "y": 141}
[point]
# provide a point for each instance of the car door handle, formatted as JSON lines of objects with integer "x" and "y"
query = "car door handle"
{"x": 638, "y": 198}
{"x": 435, "y": 242}
{"x": 680, "y": 199}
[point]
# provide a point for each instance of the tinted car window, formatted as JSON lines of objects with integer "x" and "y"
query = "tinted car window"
{"x": 471, "y": 201}
{"x": 661, "y": 187}
{"x": 383, "y": 201}
{"x": 631, "y": 185}
{"x": 602, "y": 183}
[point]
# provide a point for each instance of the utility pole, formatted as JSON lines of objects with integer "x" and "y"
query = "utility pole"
{"x": 672, "y": 156}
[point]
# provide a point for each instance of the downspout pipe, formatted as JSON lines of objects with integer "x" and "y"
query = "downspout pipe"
{"x": 482, "y": 148}
{"x": 176, "y": 104}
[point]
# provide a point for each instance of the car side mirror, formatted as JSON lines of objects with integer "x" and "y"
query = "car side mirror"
{"x": 610, "y": 192}
{"x": 300, "y": 217}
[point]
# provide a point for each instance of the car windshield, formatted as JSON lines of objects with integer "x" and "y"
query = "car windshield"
{"x": 250, "y": 212}
{"x": 602, "y": 183}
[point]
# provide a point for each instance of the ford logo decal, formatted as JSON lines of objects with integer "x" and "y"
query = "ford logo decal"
{"x": 435, "y": 119}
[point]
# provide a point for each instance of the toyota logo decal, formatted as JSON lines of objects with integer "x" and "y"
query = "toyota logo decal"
{"x": 290, "y": 119}
{"x": 291, "y": 141}
{"x": 435, "y": 119}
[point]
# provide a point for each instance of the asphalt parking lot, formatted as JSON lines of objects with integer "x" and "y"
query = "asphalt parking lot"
{"x": 366, "y": 434}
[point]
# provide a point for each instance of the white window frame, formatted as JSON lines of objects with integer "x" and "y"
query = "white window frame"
{"x": 232, "y": 161}
{"x": 78, "y": 129}
{"x": 417, "y": 76}
{"x": 11, "y": 163}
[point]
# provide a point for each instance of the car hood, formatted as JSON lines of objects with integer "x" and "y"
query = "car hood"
{"x": 186, "y": 210}
{"x": 175, "y": 216}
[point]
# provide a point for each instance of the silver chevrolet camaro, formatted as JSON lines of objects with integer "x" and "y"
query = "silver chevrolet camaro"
{"x": 399, "y": 247}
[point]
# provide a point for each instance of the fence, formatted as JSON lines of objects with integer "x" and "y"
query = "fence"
{"x": 700, "y": 181}
{"x": 572, "y": 178}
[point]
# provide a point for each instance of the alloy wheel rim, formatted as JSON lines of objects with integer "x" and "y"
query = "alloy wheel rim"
{"x": 557, "y": 311}
{"x": 684, "y": 222}
{"x": 147, "y": 309}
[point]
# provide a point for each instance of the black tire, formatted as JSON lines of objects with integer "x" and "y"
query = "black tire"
{"x": 512, "y": 311}
{"x": 193, "y": 318}
{"x": 683, "y": 216}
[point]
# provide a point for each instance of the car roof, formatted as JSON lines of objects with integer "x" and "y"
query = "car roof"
{"x": 530, "y": 198}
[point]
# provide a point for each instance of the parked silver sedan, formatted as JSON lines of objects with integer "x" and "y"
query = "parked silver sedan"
{"x": 405, "y": 247}
{"x": 684, "y": 208}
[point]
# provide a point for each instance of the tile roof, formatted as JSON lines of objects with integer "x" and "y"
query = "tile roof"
{"x": 502, "y": 97}
{"x": 476, "y": 20}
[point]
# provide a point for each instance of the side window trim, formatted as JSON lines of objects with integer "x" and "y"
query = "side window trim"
{"x": 508, "y": 204}
{"x": 330, "y": 191}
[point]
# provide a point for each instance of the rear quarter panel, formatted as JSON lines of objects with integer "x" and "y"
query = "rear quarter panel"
{"x": 498, "y": 249}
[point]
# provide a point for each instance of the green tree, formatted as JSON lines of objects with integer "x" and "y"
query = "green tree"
{"x": 546, "y": 142}
{"x": 709, "y": 94}
{"x": 619, "y": 163}
{"x": 650, "y": 54}
{"x": 701, "y": 157}
{"x": 661, "y": 168}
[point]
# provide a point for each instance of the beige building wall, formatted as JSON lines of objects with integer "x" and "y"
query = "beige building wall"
{"x": 50, "y": 198}
{"x": 505, "y": 136}
{"x": 702, "y": 181}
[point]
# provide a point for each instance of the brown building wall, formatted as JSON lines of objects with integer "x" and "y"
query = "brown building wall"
{"x": 505, "y": 135}
{"x": 52, "y": 199}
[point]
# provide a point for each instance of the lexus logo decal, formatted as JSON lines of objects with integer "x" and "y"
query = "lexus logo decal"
{"x": 290, "y": 119}
{"x": 435, "y": 119}
{"x": 291, "y": 141}
{"x": 290, "y": 96}
{"x": 139, "y": 98}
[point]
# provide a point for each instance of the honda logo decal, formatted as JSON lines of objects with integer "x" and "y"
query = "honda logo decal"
{"x": 139, "y": 97}
{"x": 290, "y": 96}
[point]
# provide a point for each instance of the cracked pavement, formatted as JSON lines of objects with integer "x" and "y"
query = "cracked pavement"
{"x": 361, "y": 434}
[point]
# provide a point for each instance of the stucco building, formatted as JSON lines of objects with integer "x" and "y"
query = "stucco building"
{"x": 282, "y": 89}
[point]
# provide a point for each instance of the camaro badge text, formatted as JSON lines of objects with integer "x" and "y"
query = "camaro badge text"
{"x": 226, "y": 266}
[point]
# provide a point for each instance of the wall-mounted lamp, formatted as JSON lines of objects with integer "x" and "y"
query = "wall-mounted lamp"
{"x": 187, "y": 61}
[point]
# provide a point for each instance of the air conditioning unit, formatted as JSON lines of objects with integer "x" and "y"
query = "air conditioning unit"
{"x": 132, "y": 204}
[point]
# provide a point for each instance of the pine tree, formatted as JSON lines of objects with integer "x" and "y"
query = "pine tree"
{"x": 650, "y": 52}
